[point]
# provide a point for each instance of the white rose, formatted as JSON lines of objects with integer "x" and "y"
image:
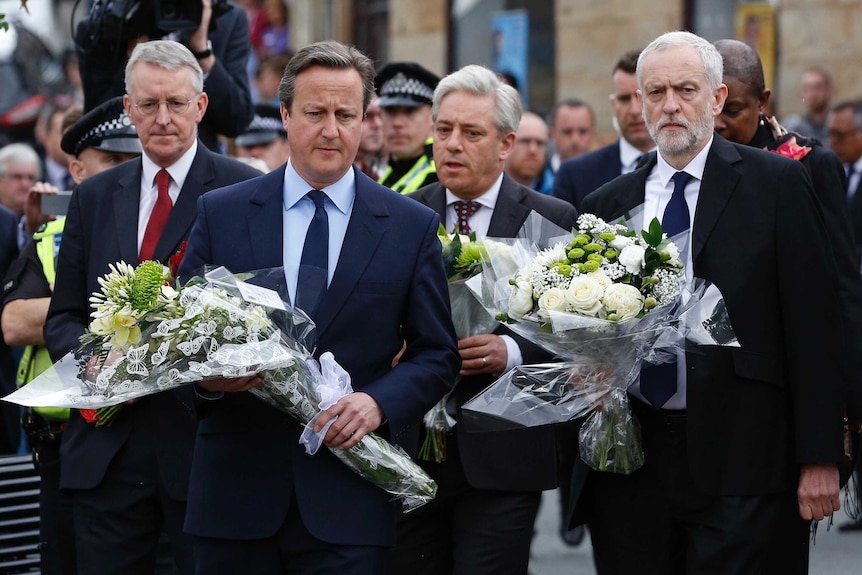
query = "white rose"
{"x": 632, "y": 257}
{"x": 624, "y": 300}
{"x": 554, "y": 299}
{"x": 584, "y": 294}
{"x": 600, "y": 277}
{"x": 521, "y": 300}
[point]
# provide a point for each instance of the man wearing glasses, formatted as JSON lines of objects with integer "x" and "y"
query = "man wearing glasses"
{"x": 129, "y": 481}
{"x": 19, "y": 170}
{"x": 584, "y": 174}
{"x": 844, "y": 130}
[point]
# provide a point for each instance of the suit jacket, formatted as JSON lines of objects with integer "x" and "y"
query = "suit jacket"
{"x": 523, "y": 459}
{"x": 102, "y": 229}
{"x": 583, "y": 175}
{"x": 855, "y": 209}
{"x": 388, "y": 287}
{"x": 776, "y": 402}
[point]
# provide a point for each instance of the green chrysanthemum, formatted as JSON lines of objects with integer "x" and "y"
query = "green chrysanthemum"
{"x": 470, "y": 258}
{"x": 149, "y": 278}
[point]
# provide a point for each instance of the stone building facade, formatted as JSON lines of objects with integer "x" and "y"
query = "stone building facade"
{"x": 581, "y": 39}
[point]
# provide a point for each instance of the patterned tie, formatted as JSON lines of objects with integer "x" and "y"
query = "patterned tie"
{"x": 159, "y": 216}
{"x": 659, "y": 382}
{"x": 465, "y": 209}
{"x": 314, "y": 265}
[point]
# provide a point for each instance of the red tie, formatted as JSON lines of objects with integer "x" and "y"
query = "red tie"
{"x": 159, "y": 216}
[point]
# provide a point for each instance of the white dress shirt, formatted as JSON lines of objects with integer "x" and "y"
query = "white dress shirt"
{"x": 150, "y": 190}
{"x": 657, "y": 194}
{"x": 298, "y": 211}
{"x": 479, "y": 223}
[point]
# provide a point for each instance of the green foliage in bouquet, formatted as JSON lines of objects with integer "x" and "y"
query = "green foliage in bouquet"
{"x": 462, "y": 255}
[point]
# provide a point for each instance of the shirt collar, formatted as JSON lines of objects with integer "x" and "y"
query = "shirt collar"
{"x": 694, "y": 168}
{"x": 628, "y": 153}
{"x": 341, "y": 192}
{"x": 488, "y": 199}
{"x": 178, "y": 170}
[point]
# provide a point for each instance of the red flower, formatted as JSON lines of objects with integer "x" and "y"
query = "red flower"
{"x": 177, "y": 258}
{"x": 790, "y": 149}
{"x": 89, "y": 415}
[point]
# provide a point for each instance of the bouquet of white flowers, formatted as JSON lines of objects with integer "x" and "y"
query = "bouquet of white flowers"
{"x": 147, "y": 337}
{"x": 606, "y": 300}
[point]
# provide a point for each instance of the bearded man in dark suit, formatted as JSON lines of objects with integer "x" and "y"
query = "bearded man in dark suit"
{"x": 129, "y": 480}
{"x": 741, "y": 438}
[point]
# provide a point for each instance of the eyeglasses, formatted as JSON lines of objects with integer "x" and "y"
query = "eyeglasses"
{"x": 527, "y": 142}
{"x": 175, "y": 106}
{"x": 841, "y": 135}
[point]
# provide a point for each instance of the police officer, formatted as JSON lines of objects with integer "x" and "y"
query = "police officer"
{"x": 405, "y": 90}
{"x": 265, "y": 138}
{"x": 99, "y": 140}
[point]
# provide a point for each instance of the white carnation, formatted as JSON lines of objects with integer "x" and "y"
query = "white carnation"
{"x": 632, "y": 257}
{"x": 620, "y": 242}
{"x": 672, "y": 250}
{"x": 624, "y": 300}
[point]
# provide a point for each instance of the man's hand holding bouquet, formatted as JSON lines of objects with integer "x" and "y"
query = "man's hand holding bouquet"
{"x": 148, "y": 337}
{"x": 607, "y": 300}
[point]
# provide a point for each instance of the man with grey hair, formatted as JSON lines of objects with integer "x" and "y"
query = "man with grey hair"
{"x": 489, "y": 483}
{"x": 19, "y": 170}
{"x": 701, "y": 504}
{"x": 129, "y": 480}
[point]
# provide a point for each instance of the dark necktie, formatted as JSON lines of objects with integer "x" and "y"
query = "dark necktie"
{"x": 159, "y": 216}
{"x": 851, "y": 190}
{"x": 465, "y": 209}
{"x": 314, "y": 265}
{"x": 659, "y": 382}
{"x": 676, "y": 215}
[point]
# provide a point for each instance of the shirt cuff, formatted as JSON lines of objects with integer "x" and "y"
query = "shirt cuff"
{"x": 514, "y": 352}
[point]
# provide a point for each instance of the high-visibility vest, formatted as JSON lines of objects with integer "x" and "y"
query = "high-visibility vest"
{"x": 415, "y": 176}
{"x": 35, "y": 358}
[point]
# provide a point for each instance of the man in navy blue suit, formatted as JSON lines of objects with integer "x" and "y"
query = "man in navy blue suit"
{"x": 129, "y": 480}
{"x": 257, "y": 502}
{"x": 580, "y": 176}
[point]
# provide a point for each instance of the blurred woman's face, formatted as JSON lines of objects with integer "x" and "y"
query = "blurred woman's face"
{"x": 741, "y": 114}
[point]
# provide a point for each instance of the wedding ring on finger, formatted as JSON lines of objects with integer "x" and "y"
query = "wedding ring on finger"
{"x": 485, "y": 361}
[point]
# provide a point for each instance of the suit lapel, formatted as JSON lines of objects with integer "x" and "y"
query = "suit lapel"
{"x": 265, "y": 221}
{"x": 199, "y": 180}
{"x": 631, "y": 196}
{"x": 509, "y": 212}
{"x": 367, "y": 226}
{"x": 127, "y": 199}
{"x": 719, "y": 181}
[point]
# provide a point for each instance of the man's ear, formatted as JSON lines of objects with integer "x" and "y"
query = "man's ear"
{"x": 507, "y": 145}
{"x": 77, "y": 170}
